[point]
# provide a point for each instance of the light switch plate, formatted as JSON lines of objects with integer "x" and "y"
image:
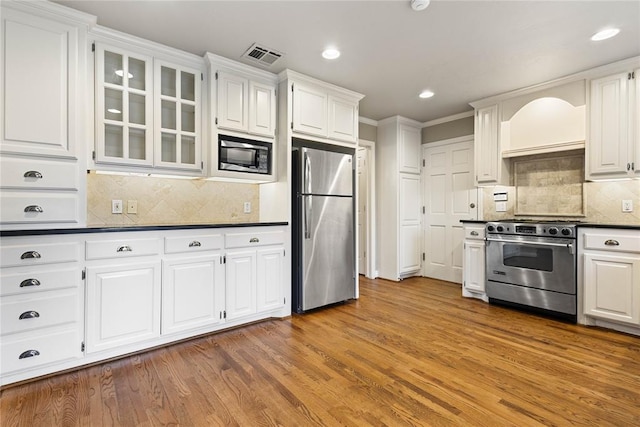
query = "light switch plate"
{"x": 116, "y": 206}
{"x": 247, "y": 207}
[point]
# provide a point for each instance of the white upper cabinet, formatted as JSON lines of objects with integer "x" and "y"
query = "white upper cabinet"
{"x": 244, "y": 98}
{"x": 614, "y": 139}
{"x": 320, "y": 109}
{"x": 43, "y": 78}
{"x": 148, "y": 106}
{"x": 124, "y": 107}
{"x": 409, "y": 145}
{"x": 486, "y": 140}
{"x": 177, "y": 119}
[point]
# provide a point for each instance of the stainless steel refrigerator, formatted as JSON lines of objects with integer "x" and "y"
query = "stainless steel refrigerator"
{"x": 323, "y": 227}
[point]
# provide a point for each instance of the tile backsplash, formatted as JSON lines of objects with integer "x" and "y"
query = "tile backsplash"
{"x": 169, "y": 201}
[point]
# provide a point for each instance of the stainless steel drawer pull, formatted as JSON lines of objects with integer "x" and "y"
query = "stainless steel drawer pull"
{"x": 474, "y": 233}
{"x": 254, "y": 240}
{"x": 29, "y": 282}
{"x": 612, "y": 242}
{"x": 195, "y": 244}
{"x": 30, "y": 255}
{"x": 29, "y": 353}
{"x": 29, "y": 315}
{"x": 125, "y": 248}
{"x": 33, "y": 208}
{"x": 32, "y": 174}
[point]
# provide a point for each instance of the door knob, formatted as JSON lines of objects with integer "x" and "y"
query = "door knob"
{"x": 472, "y": 205}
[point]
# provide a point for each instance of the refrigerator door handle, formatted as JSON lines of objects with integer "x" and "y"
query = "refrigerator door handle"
{"x": 307, "y": 213}
{"x": 306, "y": 170}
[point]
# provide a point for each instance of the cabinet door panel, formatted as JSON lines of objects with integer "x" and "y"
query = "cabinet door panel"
{"x": 40, "y": 58}
{"x": 474, "y": 266}
{"x": 189, "y": 293}
{"x": 310, "y": 108}
{"x": 343, "y": 120}
{"x": 123, "y": 305}
{"x": 487, "y": 148}
{"x": 409, "y": 155}
{"x": 270, "y": 276}
{"x": 240, "y": 284}
{"x": 409, "y": 215}
{"x": 612, "y": 287}
{"x": 262, "y": 109}
{"x": 232, "y": 102}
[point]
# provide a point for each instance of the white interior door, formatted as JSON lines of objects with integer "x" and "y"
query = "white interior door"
{"x": 449, "y": 196}
{"x": 363, "y": 184}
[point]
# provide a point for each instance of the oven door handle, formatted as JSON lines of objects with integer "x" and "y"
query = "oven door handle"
{"x": 526, "y": 242}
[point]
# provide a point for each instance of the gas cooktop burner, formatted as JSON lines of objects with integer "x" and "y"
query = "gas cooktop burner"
{"x": 520, "y": 227}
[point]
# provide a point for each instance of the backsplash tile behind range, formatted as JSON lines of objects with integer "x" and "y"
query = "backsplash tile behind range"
{"x": 169, "y": 201}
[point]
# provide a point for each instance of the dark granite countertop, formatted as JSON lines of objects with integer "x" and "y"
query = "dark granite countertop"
{"x": 114, "y": 229}
{"x": 620, "y": 226}
{"x": 473, "y": 221}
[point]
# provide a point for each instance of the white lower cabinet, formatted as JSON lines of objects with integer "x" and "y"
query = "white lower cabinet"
{"x": 270, "y": 278}
{"x": 610, "y": 276}
{"x": 473, "y": 267}
{"x": 240, "y": 284}
{"x": 123, "y": 304}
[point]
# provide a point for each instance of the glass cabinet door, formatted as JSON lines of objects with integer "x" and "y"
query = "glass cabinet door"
{"x": 177, "y": 126}
{"x": 123, "y": 107}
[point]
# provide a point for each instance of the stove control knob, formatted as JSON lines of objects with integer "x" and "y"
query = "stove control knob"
{"x": 500, "y": 228}
{"x": 553, "y": 231}
{"x": 566, "y": 231}
{"x": 490, "y": 228}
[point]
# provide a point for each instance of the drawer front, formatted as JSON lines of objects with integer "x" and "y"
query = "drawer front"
{"x": 22, "y": 281}
{"x": 35, "y": 207}
{"x": 38, "y": 174}
{"x": 20, "y": 313}
{"x": 122, "y": 248}
{"x": 38, "y": 253}
{"x": 243, "y": 240}
{"x": 612, "y": 242}
{"x": 474, "y": 232}
{"x": 34, "y": 351}
{"x": 193, "y": 243}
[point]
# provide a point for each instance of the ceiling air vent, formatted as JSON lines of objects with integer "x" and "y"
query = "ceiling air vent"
{"x": 262, "y": 55}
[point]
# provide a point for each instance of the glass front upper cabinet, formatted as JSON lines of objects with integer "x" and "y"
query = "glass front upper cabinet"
{"x": 124, "y": 107}
{"x": 177, "y": 118}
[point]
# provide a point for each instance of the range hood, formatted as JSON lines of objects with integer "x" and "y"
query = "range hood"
{"x": 544, "y": 122}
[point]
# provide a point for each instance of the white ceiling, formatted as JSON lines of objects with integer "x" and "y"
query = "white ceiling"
{"x": 461, "y": 50}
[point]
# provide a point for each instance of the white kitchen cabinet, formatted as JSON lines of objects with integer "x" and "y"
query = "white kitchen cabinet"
{"x": 473, "y": 262}
{"x": 123, "y": 304}
{"x": 241, "y": 283}
{"x": 270, "y": 279}
{"x": 41, "y": 305}
{"x": 611, "y": 274}
{"x": 321, "y": 110}
{"x": 148, "y": 106}
{"x": 613, "y": 150}
{"x": 488, "y": 156}
{"x": 245, "y": 105}
{"x": 400, "y": 198}
{"x": 43, "y": 80}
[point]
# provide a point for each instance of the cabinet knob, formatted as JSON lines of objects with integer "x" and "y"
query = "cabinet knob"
{"x": 29, "y": 353}
{"x": 32, "y": 174}
{"x": 125, "y": 248}
{"x": 29, "y": 282}
{"x": 29, "y": 315}
{"x": 254, "y": 240}
{"x": 195, "y": 244}
{"x": 474, "y": 233}
{"x": 612, "y": 242}
{"x": 31, "y": 255}
{"x": 33, "y": 208}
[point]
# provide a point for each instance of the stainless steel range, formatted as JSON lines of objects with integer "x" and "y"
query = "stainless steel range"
{"x": 533, "y": 264}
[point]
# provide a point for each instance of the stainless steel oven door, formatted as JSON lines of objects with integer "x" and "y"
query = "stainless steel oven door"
{"x": 534, "y": 262}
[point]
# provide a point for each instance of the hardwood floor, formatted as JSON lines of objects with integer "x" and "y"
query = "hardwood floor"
{"x": 409, "y": 353}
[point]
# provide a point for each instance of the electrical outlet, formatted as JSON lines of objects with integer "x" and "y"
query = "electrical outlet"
{"x": 247, "y": 207}
{"x": 132, "y": 206}
{"x": 627, "y": 206}
{"x": 116, "y": 206}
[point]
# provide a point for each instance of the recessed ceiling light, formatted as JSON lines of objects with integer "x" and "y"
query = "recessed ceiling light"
{"x": 331, "y": 53}
{"x": 419, "y": 5}
{"x": 426, "y": 94}
{"x": 605, "y": 34}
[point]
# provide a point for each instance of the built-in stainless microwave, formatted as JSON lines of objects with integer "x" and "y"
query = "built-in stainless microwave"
{"x": 244, "y": 155}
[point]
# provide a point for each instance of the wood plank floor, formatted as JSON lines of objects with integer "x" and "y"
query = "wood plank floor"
{"x": 410, "y": 353}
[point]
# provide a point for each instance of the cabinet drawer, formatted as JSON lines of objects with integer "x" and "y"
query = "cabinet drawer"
{"x": 612, "y": 242}
{"x": 122, "y": 248}
{"x": 241, "y": 240}
{"x": 474, "y": 232}
{"x": 38, "y": 207}
{"x": 21, "y": 281}
{"x": 16, "y": 172}
{"x": 193, "y": 243}
{"x": 38, "y": 253}
{"x": 38, "y": 350}
{"x": 23, "y": 313}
